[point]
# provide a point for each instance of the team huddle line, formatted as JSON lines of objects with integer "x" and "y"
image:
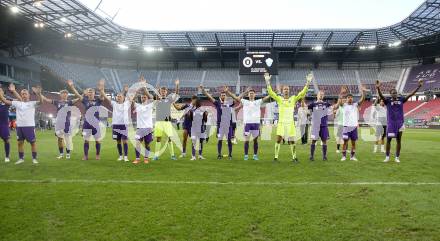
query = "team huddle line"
{"x": 387, "y": 115}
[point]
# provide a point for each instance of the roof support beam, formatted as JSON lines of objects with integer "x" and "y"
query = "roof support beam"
{"x": 327, "y": 41}
{"x": 398, "y": 34}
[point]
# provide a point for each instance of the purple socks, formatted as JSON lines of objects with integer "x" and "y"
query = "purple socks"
{"x": 255, "y": 147}
{"x": 119, "y": 146}
{"x": 219, "y": 147}
{"x": 7, "y": 149}
{"x": 98, "y": 148}
{"x": 125, "y": 149}
{"x": 86, "y": 149}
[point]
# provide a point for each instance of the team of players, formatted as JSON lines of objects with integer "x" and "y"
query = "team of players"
{"x": 195, "y": 118}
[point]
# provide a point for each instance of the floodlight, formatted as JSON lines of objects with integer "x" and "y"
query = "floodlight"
{"x": 317, "y": 48}
{"x": 15, "y": 9}
{"x": 122, "y": 46}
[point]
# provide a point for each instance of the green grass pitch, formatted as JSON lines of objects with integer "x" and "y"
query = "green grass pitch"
{"x": 221, "y": 199}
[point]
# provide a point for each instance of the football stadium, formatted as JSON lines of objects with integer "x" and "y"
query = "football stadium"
{"x": 219, "y": 120}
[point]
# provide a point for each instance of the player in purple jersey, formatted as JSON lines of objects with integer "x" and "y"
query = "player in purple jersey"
{"x": 198, "y": 118}
{"x": 4, "y": 121}
{"x": 91, "y": 125}
{"x": 395, "y": 118}
{"x": 224, "y": 121}
{"x": 186, "y": 125}
{"x": 63, "y": 127}
{"x": 320, "y": 110}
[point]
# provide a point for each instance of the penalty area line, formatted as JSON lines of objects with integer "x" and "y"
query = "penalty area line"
{"x": 93, "y": 181}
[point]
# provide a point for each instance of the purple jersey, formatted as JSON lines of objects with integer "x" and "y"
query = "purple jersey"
{"x": 395, "y": 114}
{"x": 61, "y": 104}
{"x": 187, "y": 108}
{"x": 89, "y": 104}
{"x": 197, "y": 117}
{"x": 4, "y": 114}
{"x": 224, "y": 111}
{"x": 320, "y": 111}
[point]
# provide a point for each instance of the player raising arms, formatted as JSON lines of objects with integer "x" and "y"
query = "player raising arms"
{"x": 379, "y": 120}
{"x": 90, "y": 102}
{"x": 320, "y": 111}
{"x": 63, "y": 125}
{"x": 286, "y": 108}
{"x": 4, "y": 119}
{"x": 198, "y": 118}
{"x": 163, "y": 126}
{"x": 120, "y": 120}
{"x": 144, "y": 123}
{"x": 395, "y": 118}
{"x": 25, "y": 109}
{"x": 186, "y": 125}
{"x": 339, "y": 118}
{"x": 251, "y": 118}
{"x": 224, "y": 121}
{"x": 350, "y": 116}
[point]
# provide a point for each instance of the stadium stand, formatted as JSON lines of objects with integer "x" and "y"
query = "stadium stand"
{"x": 429, "y": 110}
{"x": 328, "y": 80}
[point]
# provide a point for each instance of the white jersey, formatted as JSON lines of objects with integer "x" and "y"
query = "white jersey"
{"x": 144, "y": 115}
{"x": 233, "y": 115}
{"x": 350, "y": 115}
{"x": 251, "y": 111}
{"x": 121, "y": 113}
{"x": 379, "y": 115}
{"x": 302, "y": 115}
{"x": 25, "y": 113}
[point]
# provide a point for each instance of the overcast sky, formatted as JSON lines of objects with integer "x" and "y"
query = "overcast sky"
{"x": 255, "y": 14}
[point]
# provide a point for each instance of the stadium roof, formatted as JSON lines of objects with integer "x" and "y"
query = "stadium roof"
{"x": 74, "y": 20}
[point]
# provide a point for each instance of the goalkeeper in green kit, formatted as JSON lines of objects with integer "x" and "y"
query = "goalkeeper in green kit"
{"x": 286, "y": 107}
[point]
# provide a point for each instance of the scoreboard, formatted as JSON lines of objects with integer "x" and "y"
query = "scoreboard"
{"x": 258, "y": 62}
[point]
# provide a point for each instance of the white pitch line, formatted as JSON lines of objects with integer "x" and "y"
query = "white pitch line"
{"x": 91, "y": 181}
